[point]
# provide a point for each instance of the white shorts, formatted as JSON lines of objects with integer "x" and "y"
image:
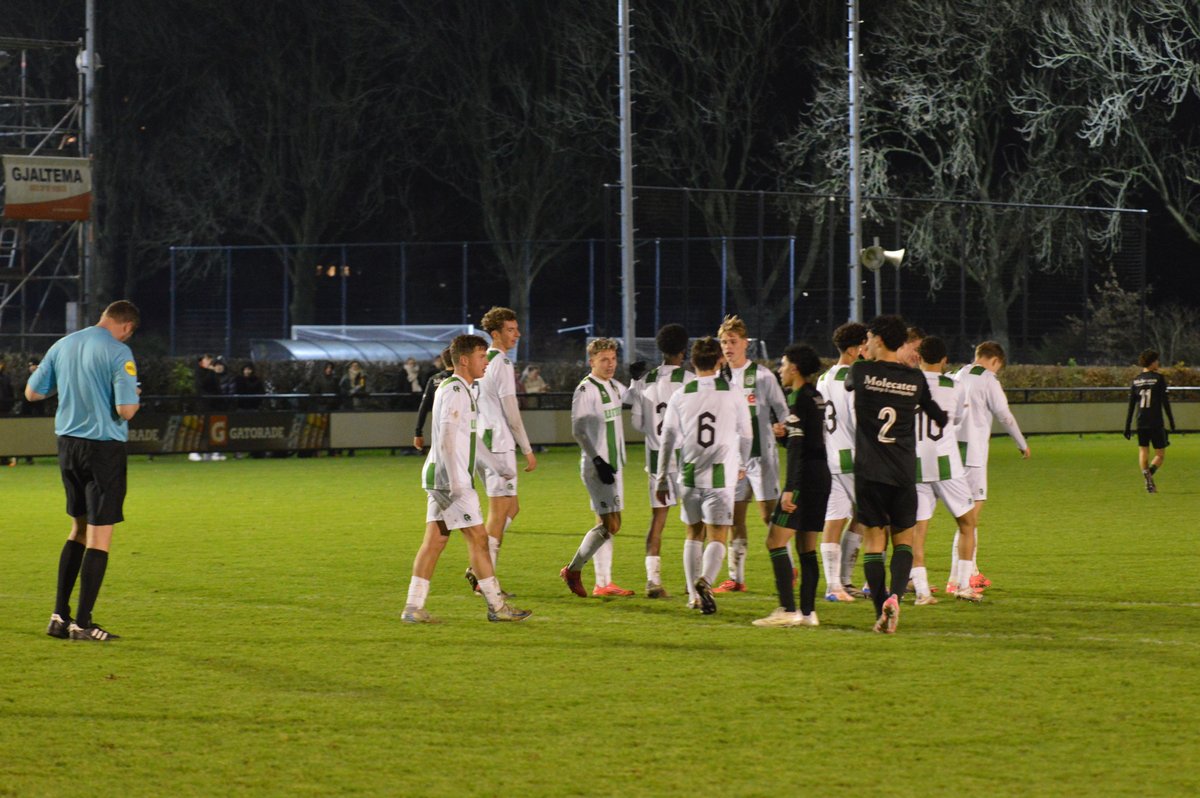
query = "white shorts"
{"x": 672, "y": 491}
{"x": 605, "y": 498}
{"x": 841, "y": 497}
{"x": 761, "y": 481}
{"x": 706, "y": 505}
{"x": 977, "y": 481}
{"x": 954, "y": 493}
{"x": 457, "y": 512}
{"x": 498, "y": 470}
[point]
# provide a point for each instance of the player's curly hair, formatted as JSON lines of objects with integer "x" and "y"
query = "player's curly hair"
{"x": 804, "y": 358}
{"x": 599, "y": 345}
{"x": 494, "y": 319}
{"x": 932, "y": 350}
{"x": 852, "y": 333}
{"x": 1147, "y": 358}
{"x": 891, "y": 329}
{"x": 733, "y": 324}
{"x": 672, "y": 339}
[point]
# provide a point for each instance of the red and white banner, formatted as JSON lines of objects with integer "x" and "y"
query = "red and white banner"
{"x": 41, "y": 187}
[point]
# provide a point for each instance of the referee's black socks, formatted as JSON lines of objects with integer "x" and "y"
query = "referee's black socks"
{"x": 91, "y": 576}
{"x": 782, "y": 565}
{"x": 902, "y": 560}
{"x": 68, "y": 572}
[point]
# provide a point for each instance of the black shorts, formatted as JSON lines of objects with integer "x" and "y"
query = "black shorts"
{"x": 809, "y": 515}
{"x": 93, "y": 473}
{"x": 1155, "y": 438}
{"x": 880, "y": 504}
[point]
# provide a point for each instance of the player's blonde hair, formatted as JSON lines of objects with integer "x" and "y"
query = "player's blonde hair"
{"x": 600, "y": 345}
{"x": 123, "y": 311}
{"x": 733, "y": 324}
{"x": 991, "y": 349}
{"x": 494, "y": 319}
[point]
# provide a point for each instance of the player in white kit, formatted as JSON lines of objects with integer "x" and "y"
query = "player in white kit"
{"x": 647, "y": 401}
{"x": 985, "y": 401}
{"x": 839, "y": 549}
{"x": 447, "y": 479}
{"x": 768, "y": 409}
{"x": 707, "y": 426}
{"x": 596, "y": 427}
{"x": 940, "y": 474}
{"x": 501, "y": 429}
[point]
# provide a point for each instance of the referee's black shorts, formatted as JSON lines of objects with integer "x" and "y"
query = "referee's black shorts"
{"x": 881, "y": 504}
{"x": 93, "y": 473}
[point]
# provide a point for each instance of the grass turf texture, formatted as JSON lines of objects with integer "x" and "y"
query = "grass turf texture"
{"x": 258, "y": 602}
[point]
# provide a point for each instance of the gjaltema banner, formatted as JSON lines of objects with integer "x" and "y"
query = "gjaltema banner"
{"x": 161, "y": 433}
{"x": 54, "y": 189}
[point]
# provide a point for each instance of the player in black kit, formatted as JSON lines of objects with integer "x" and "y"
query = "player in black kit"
{"x": 1149, "y": 395}
{"x": 801, "y": 510}
{"x": 887, "y": 394}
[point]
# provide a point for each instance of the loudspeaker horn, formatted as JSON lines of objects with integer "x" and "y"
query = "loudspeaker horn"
{"x": 875, "y": 257}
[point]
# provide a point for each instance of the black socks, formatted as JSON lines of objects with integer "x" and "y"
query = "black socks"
{"x": 782, "y": 565}
{"x": 68, "y": 572}
{"x": 902, "y": 560}
{"x": 875, "y": 573}
{"x": 91, "y": 576}
{"x": 809, "y": 574}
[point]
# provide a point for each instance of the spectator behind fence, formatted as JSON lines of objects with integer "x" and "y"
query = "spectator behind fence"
{"x": 354, "y": 385}
{"x": 225, "y": 386}
{"x": 431, "y": 386}
{"x": 6, "y": 389}
{"x": 249, "y": 388}
{"x": 325, "y": 384}
{"x": 410, "y": 379}
{"x": 532, "y": 381}
{"x": 208, "y": 388}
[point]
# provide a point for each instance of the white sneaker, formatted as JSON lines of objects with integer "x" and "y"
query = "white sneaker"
{"x": 417, "y": 615}
{"x": 926, "y": 600}
{"x": 195, "y": 457}
{"x": 218, "y": 456}
{"x": 968, "y": 594}
{"x": 779, "y": 617}
{"x": 809, "y": 620}
{"x": 693, "y": 603}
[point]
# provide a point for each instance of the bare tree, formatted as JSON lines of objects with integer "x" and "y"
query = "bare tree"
{"x": 1105, "y": 107}
{"x": 518, "y": 108}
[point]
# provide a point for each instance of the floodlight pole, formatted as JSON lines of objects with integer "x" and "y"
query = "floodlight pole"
{"x": 88, "y": 228}
{"x": 855, "y": 164}
{"x": 628, "y": 309}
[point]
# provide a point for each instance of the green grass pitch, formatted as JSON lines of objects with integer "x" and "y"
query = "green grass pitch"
{"x": 262, "y": 652}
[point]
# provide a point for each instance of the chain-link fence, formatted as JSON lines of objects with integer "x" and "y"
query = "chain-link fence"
{"x": 1023, "y": 274}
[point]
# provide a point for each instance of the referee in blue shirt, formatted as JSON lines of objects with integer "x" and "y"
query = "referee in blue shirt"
{"x": 96, "y": 379}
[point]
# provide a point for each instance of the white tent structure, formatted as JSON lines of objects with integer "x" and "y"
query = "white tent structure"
{"x": 371, "y": 343}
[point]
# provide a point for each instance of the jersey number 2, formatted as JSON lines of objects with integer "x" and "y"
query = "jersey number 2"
{"x": 888, "y": 416}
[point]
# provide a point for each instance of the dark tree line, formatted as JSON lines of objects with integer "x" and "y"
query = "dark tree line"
{"x": 314, "y": 121}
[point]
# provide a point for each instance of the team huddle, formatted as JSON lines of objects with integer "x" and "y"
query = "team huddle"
{"x": 872, "y": 445}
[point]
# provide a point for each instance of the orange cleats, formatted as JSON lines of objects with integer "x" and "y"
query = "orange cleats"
{"x": 611, "y": 589}
{"x": 890, "y": 618}
{"x": 979, "y": 581}
{"x": 574, "y": 580}
{"x": 730, "y": 586}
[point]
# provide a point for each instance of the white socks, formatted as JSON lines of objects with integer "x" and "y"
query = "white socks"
{"x": 975, "y": 559}
{"x": 831, "y": 558}
{"x": 714, "y": 555}
{"x": 603, "y": 563}
{"x": 494, "y": 550}
{"x": 592, "y": 541}
{"x": 490, "y": 588}
{"x": 737, "y": 560}
{"x": 920, "y": 578}
{"x": 964, "y": 574}
{"x": 654, "y": 570}
{"x": 418, "y": 591}
{"x": 693, "y": 551}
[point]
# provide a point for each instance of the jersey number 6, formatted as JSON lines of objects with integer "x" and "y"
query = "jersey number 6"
{"x": 706, "y": 434}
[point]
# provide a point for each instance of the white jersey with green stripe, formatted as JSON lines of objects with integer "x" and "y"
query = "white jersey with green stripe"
{"x": 451, "y": 459}
{"x": 497, "y": 382}
{"x": 839, "y": 420}
{"x": 596, "y": 420}
{"x": 708, "y": 430}
{"x": 767, "y": 404}
{"x": 648, "y": 397}
{"x": 985, "y": 401}
{"x": 938, "y": 457}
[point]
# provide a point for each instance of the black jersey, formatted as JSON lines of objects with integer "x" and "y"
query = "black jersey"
{"x": 805, "y": 425}
{"x": 1148, "y": 395}
{"x": 886, "y": 398}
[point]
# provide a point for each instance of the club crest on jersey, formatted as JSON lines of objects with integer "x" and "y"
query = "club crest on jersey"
{"x": 751, "y": 398}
